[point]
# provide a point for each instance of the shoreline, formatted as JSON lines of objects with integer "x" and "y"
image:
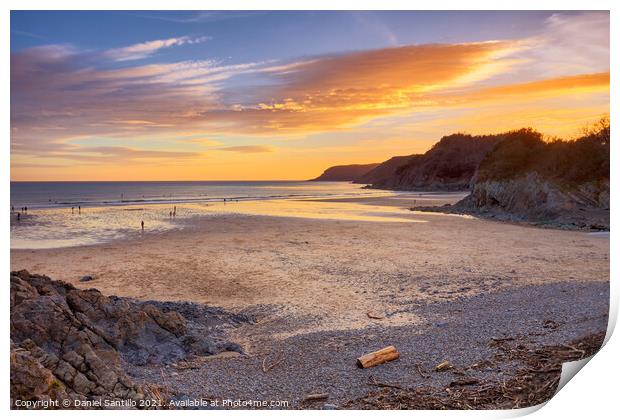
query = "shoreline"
{"x": 56, "y": 228}
{"x": 442, "y": 288}
{"x": 562, "y": 222}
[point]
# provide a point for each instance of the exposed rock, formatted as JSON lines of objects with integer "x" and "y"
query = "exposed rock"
{"x": 533, "y": 199}
{"x": 30, "y": 380}
{"x": 448, "y": 165}
{"x": 559, "y": 184}
{"x": 86, "y": 278}
{"x": 72, "y": 343}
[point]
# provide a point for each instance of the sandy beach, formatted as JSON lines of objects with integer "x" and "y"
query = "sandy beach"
{"x": 332, "y": 271}
{"x": 438, "y": 286}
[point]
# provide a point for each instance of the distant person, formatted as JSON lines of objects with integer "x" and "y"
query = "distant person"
{"x": 174, "y": 213}
{"x": 12, "y": 209}
{"x": 72, "y": 209}
{"x": 142, "y": 223}
{"x": 18, "y": 216}
{"x": 26, "y": 209}
{"x": 79, "y": 209}
{"x": 171, "y": 214}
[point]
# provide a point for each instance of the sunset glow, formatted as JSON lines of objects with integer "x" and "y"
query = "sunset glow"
{"x": 284, "y": 95}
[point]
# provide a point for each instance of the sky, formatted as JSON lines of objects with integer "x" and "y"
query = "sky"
{"x": 275, "y": 95}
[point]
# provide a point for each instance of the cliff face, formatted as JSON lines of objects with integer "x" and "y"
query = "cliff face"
{"x": 559, "y": 182}
{"x": 448, "y": 165}
{"x": 384, "y": 171}
{"x": 345, "y": 172}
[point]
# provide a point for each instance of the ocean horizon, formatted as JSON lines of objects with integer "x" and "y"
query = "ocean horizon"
{"x": 50, "y": 194}
{"x": 48, "y": 215}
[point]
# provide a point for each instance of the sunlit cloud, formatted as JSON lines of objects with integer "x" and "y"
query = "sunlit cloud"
{"x": 247, "y": 149}
{"x": 64, "y": 96}
{"x": 145, "y": 49}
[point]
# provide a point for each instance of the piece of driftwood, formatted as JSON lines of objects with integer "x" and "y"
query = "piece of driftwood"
{"x": 373, "y": 316}
{"x": 378, "y": 357}
{"x": 315, "y": 397}
{"x": 445, "y": 365}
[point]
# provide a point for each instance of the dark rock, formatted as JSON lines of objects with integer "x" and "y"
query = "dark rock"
{"x": 234, "y": 347}
{"x": 86, "y": 278}
{"x": 448, "y": 165}
{"x": 71, "y": 342}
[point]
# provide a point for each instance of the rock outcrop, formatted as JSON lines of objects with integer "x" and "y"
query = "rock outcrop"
{"x": 560, "y": 183}
{"x": 345, "y": 172}
{"x": 68, "y": 343}
{"x": 449, "y": 165}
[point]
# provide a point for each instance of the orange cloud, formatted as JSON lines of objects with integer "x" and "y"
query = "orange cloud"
{"x": 247, "y": 149}
{"x": 342, "y": 89}
{"x": 336, "y": 92}
{"x": 60, "y": 95}
{"x": 582, "y": 83}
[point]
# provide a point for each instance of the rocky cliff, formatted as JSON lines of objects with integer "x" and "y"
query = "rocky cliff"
{"x": 563, "y": 183}
{"x": 72, "y": 344}
{"x": 448, "y": 165}
{"x": 345, "y": 172}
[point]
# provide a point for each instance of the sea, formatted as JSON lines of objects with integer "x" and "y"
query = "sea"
{"x": 63, "y": 214}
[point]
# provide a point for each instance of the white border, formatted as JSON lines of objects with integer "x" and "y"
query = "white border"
{"x": 593, "y": 394}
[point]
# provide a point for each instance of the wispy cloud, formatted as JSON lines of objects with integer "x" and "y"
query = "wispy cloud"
{"x": 60, "y": 93}
{"x": 146, "y": 49}
{"x": 199, "y": 16}
{"x": 26, "y": 34}
{"x": 247, "y": 149}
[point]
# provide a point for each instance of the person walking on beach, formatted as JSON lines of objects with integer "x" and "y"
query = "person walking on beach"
{"x": 142, "y": 224}
{"x": 174, "y": 213}
{"x": 12, "y": 209}
{"x": 18, "y": 216}
{"x": 171, "y": 214}
{"x": 79, "y": 209}
{"x": 72, "y": 209}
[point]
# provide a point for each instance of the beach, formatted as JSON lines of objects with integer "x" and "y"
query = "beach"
{"x": 325, "y": 290}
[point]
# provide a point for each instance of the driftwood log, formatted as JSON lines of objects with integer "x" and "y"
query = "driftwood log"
{"x": 445, "y": 365}
{"x": 378, "y": 357}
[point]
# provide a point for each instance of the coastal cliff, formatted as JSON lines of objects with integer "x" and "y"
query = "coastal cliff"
{"x": 561, "y": 183}
{"x": 517, "y": 176}
{"x": 345, "y": 172}
{"x": 448, "y": 165}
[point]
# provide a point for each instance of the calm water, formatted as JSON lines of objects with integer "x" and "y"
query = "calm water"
{"x": 67, "y": 194}
{"x": 114, "y": 210}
